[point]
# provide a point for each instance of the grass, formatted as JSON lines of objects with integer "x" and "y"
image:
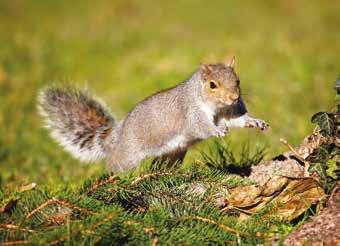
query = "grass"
{"x": 287, "y": 58}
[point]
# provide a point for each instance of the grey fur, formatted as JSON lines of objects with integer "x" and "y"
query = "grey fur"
{"x": 164, "y": 125}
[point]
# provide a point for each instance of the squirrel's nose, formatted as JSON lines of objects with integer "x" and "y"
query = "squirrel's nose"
{"x": 234, "y": 96}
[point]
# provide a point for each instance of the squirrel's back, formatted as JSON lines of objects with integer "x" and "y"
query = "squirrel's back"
{"x": 157, "y": 117}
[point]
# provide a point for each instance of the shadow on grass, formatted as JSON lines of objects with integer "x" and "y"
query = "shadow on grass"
{"x": 222, "y": 158}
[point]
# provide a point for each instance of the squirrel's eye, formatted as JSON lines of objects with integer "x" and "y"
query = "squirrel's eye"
{"x": 213, "y": 85}
{"x": 238, "y": 82}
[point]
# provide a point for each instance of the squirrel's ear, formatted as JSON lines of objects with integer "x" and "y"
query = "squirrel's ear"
{"x": 205, "y": 69}
{"x": 231, "y": 62}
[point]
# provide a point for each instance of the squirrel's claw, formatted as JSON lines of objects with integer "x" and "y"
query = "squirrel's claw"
{"x": 224, "y": 131}
{"x": 256, "y": 123}
{"x": 221, "y": 132}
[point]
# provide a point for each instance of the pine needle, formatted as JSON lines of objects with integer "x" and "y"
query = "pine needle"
{"x": 94, "y": 187}
{"x": 60, "y": 202}
{"x": 150, "y": 175}
{"x": 210, "y": 221}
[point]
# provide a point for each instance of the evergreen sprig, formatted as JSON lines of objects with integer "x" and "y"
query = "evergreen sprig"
{"x": 156, "y": 204}
{"x": 159, "y": 205}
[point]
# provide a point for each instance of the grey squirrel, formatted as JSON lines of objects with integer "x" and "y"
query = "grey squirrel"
{"x": 163, "y": 125}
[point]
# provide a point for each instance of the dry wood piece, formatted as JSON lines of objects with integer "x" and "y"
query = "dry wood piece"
{"x": 288, "y": 203}
{"x": 280, "y": 182}
{"x": 311, "y": 143}
{"x": 30, "y": 186}
{"x": 323, "y": 229}
{"x": 285, "y": 165}
{"x": 296, "y": 198}
{"x": 275, "y": 184}
{"x": 155, "y": 242}
{"x": 245, "y": 196}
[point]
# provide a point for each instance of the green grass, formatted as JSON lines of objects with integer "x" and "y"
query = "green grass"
{"x": 287, "y": 58}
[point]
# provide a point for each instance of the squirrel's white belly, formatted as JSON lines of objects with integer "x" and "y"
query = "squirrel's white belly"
{"x": 176, "y": 143}
{"x": 179, "y": 141}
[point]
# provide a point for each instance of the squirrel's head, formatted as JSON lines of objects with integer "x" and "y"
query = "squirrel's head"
{"x": 221, "y": 84}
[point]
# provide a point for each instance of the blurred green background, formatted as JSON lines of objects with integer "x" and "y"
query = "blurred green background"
{"x": 287, "y": 57}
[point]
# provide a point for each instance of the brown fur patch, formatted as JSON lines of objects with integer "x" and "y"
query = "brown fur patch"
{"x": 107, "y": 132}
{"x": 226, "y": 81}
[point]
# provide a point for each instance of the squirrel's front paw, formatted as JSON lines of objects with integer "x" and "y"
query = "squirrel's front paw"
{"x": 256, "y": 123}
{"x": 222, "y": 131}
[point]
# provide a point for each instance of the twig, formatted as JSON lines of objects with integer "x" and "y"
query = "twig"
{"x": 54, "y": 200}
{"x": 54, "y": 242}
{"x": 236, "y": 208}
{"x": 15, "y": 227}
{"x": 148, "y": 230}
{"x": 150, "y": 175}
{"x": 111, "y": 179}
{"x": 73, "y": 206}
{"x": 285, "y": 142}
{"x": 14, "y": 242}
{"x": 95, "y": 226}
{"x": 333, "y": 191}
{"x": 45, "y": 204}
{"x": 57, "y": 241}
{"x": 292, "y": 177}
{"x": 210, "y": 221}
{"x": 304, "y": 177}
{"x": 155, "y": 242}
{"x": 30, "y": 186}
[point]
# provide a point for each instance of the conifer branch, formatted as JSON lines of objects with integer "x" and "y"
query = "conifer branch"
{"x": 95, "y": 226}
{"x": 73, "y": 206}
{"x": 45, "y": 204}
{"x": 148, "y": 230}
{"x": 58, "y": 241}
{"x": 210, "y": 221}
{"x": 111, "y": 179}
{"x": 15, "y": 227}
{"x": 54, "y": 200}
{"x": 150, "y": 175}
{"x": 14, "y": 243}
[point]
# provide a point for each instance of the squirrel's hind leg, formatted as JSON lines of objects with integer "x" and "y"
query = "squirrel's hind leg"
{"x": 122, "y": 161}
{"x": 172, "y": 158}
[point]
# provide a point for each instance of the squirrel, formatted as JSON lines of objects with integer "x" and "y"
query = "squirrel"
{"x": 162, "y": 126}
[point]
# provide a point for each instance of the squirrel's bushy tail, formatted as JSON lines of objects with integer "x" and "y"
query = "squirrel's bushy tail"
{"x": 78, "y": 121}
